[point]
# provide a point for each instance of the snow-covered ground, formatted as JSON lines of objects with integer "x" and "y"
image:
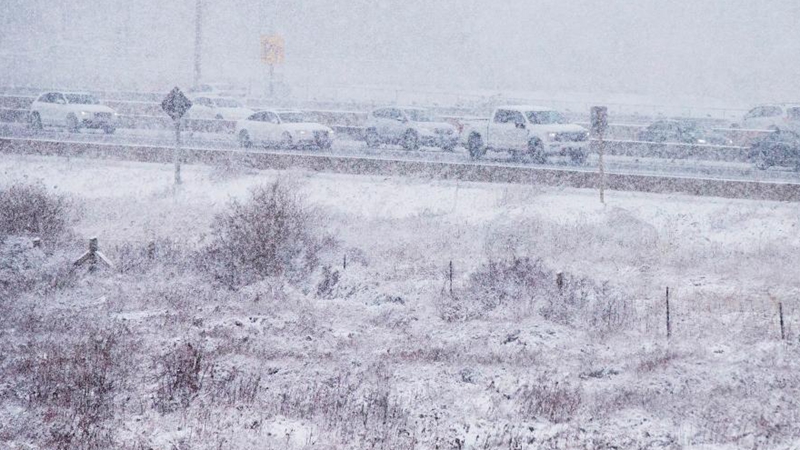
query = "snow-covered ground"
{"x": 378, "y": 359}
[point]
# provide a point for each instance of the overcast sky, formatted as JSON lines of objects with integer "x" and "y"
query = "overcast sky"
{"x": 739, "y": 50}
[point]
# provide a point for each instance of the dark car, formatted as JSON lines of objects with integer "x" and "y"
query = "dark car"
{"x": 779, "y": 148}
{"x": 681, "y": 132}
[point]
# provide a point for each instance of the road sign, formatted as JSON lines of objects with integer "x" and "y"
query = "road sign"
{"x": 176, "y": 104}
{"x": 272, "y": 49}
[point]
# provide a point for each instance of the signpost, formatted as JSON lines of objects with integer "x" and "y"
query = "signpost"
{"x": 272, "y": 53}
{"x": 598, "y": 132}
{"x": 175, "y": 105}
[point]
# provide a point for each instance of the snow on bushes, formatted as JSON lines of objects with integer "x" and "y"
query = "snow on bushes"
{"x": 29, "y": 209}
{"x": 272, "y": 234}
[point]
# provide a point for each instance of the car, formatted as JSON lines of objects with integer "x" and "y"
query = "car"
{"x": 219, "y": 108}
{"x": 681, "y": 132}
{"x": 771, "y": 117}
{"x": 533, "y": 133}
{"x": 73, "y": 110}
{"x": 288, "y": 129}
{"x": 409, "y": 127}
{"x": 779, "y": 148}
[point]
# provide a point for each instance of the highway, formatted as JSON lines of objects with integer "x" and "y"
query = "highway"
{"x": 347, "y": 147}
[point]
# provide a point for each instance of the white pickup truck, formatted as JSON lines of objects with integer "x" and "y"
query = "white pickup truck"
{"x": 530, "y": 132}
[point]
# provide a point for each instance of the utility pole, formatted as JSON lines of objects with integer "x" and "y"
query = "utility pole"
{"x": 198, "y": 42}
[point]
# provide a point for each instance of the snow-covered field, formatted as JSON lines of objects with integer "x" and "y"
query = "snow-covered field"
{"x": 382, "y": 354}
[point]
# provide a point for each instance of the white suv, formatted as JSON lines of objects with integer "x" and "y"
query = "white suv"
{"x": 768, "y": 117}
{"x": 287, "y": 129}
{"x": 73, "y": 110}
{"x": 220, "y": 108}
{"x": 409, "y": 127}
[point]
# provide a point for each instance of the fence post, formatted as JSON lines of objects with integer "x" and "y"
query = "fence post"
{"x": 344, "y": 262}
{"x": 93, "y": 256}
{"x": 669, "y": 325}
{"x": 451, "y": 278}
{"x": 780, "y": 313}
{"x": 560, "y": 280}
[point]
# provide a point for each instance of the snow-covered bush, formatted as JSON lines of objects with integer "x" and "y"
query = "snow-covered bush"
{"x": 29, "y": 209}
{"x": 596, "y": 307}
{"x": 513, "y": 282}
{"x": 180, "y": 374}
{"x": 24, "y": 268}
{"x": 137, "y": 257}
{"x": 75, "y": 382}
{"x": 272, "y": 234}
{"x": 554, "y": 401}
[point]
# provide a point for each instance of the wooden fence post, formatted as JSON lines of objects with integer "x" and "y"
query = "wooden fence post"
{"x": 780, "y": 313}
{"x": 669, "y": 325}
{"x": 93, "y": 256}
{"x": 451, "y": 278}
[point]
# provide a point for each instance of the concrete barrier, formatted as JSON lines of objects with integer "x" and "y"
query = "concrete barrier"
{"x": 676, "y": 151}
{"x": 476, "y": 172}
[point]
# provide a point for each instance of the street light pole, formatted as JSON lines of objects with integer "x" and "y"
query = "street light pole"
{"x": 198, "y": 41}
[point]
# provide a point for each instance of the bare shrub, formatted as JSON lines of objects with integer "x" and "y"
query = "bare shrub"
{"x": 179, "y": 375}
{"x": 271, "y": 235}
{"x": 136, "y": 257}
{"x": 29, "y": 209}
{"x": 557, "y": 402}
{"x": 232, "y": 386}
{"x": 598, "y": 307}
{"x": 656, "y": 360}
{"x": 24, "y": 268}
{"x": 515, "y": 281}
{"x": 78, "y": 382}
{"x": 358, "y": 407}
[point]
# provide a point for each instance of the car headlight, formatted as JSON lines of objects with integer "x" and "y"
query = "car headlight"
{"x": 701, "y": 141}
{"x": 84, "y": 113}
{"x": 551, "y": 135}
{"x": 302, "y": 132}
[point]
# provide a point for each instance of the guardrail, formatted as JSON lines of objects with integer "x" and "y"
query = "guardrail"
{"x": 676, "y": 151}
{"x": 438, "y": 170}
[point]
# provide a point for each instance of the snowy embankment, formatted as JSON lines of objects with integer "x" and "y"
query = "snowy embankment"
{"x": 387, "y": 353}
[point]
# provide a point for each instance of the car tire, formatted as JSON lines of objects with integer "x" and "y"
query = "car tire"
{"x": 72, "y": 123}
{"x": 109, "y": 129}
{"x": 760, "y": 159}
{"x": 578, "y": 156}
{"x": 35, "y": 121}
{"x": 244, "y": 139}
{"x": 372, "y": 139}
{"x": 218, "y": 117}
{"x": 286, "y": 140}
{"x": 410, "y": 141}
{"x": 324, "y": 143}
{"x": 449, "y": 147}
{"x": 536, "y": 152}
{"x": 475, "y": 146}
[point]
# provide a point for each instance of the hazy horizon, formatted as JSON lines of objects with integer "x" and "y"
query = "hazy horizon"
{"x": 736, "y": 51}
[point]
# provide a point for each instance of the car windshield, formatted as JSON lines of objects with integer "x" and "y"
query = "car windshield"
{"x": 227, "y": 103}
{"x": 292, "y": 117}
{"x": 418, "y": 115}
{"x": 545, "y": 117}
{"x": 82, "y": 99}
